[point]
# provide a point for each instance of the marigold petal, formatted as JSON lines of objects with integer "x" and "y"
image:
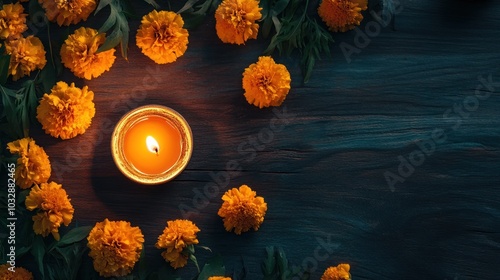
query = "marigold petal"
{"x": 12, "y": 21}
{"x": 67, "y": 111}
{"x": 26, "y": 55}
{"x": 342, "y": 15}
{"x": 266, "y": 83}
{"x": 54, "y": 208}
{"x": 236, "y": 20}
{"x": 115, "y": 247}
{"x": 79, "y": 53}
{"x": 19, "y": 274}
{"x": 176, "y": 236}
{"x": 242, "y": 210}
{"x": 33, "y": 165}
{"x": 161, "y": 36}
{"x": 339, "y": 272}
{"x": 66, "y": 12}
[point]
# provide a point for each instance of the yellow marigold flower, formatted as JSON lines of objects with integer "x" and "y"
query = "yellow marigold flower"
{"x": 12, "y": 21}
{"x": 67, "y": 111}
{"x": 342, "y": 15}
{"x": 175, "y": 238}
{"x": 54, "y": 208}
{"x": 266, "y": 83}
{"x": 242, "y": 209}
{"x": 79, "y": 53}
{"x": 66, "y": 12}
{"x": 115, "y": 247}
{"x": 162, "y": 37}
{"x": 219, "y": 278}
{"x": 236, "y": 20}
{"x": 26, "y": 55}
{"x": 33, "y": 165}
{"x": 339, "y": 272}
{"x": 19, "y": 274}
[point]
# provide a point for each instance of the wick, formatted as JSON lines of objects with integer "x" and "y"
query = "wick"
{"x": 156, "y": 151}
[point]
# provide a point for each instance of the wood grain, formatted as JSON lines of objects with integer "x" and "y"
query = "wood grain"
{"x": 322, "y": 175}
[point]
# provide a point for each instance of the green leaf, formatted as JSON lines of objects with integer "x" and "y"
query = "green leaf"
{"x": 388, "y": 8}
{"x": 75, "y": 235}
{"x": 4, "y": 65}
{"x": 187, "y": 6}
{"x": 12, "y": 117}
{"x": 166, "y": 272}
{"x": 266, "y": 27}
{"x": 279, "y": 6}
{"x": 111, "y": 41}
{"x": 295, "y": 30}
{"x": 269, "y": 263}
{"x": 213, "y": 267}
{"x": 204, "y": 248}
{"x": 194, "y": 15}
{"x": 31, "y": 101}
{"x": 67, "y": 259}
{"x": 102, "y": 4}
{"x": 64, "y": 254}
{"x": 242, "y": 274}
{"x": 117, "y": 20}
{"x": 142, "y": 267}
{"x": 47, "y": 77}
{"x": 21, "y": 196}
{"x": 38, "y": 251}
{"x": 110, "y": 22}
{"x": 22, "y": 251}
{"x": 282, "y": 262}
{"x": 152, "y": 3}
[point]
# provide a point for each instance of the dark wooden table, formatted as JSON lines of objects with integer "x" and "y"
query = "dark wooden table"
{"x": 323, "y": 174}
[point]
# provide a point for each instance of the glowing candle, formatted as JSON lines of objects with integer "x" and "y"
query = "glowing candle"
{"x": 151, "y": 144}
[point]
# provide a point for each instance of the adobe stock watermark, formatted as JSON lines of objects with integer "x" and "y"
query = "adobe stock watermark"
{"x": 73, "y": 153}
{"x": 425, "y": 148}
{"x": 248, "y": 148}
{"x": 37, "y": 21}
{"x": 321, "y": 253}
{"x": 11, "y": 217}
{"x": 381, "y": 19}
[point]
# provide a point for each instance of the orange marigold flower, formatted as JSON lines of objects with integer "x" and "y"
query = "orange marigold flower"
{"x": 19, "y": 273}
{"x": 115, "y": 247}
{"x": 67, "y": 111}
{"x": 339, "y": 272}
{"x": 54, "y": 208}
{"x": 342, "y": 15}
{"x": 176, "y": 237}
{"x": 162, "y": 37}
{"x": 12, "y": 21}
{"x": 266, "y": 83}
{"x": 79, "y": 53}
{"x": 33, "y": 165}
{"x": 26, "y": 55}
{"x": 236, "y": 20}
{"x": 219, "y": 278}
{"x": 66, "y": 12}
{"x": 242, "y": 209}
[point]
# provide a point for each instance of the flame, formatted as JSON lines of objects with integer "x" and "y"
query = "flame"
{"x": 152, "y": 145}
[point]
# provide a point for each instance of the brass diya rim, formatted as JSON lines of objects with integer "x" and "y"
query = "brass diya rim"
{"x": 131, "y": 118}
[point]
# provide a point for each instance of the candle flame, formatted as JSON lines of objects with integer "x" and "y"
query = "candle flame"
{"x": 152, "y": 145}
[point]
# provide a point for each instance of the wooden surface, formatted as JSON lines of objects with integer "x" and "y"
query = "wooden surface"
{"x": 322, "y": 175}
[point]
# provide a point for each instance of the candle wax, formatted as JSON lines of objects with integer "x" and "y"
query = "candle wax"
{"x": 147, "y": 160}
